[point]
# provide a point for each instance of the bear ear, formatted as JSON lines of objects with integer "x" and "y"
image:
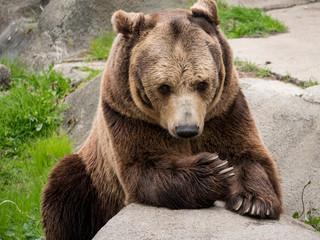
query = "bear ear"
{"x": 127, "y": 23}
{"x": 207, "y": 9}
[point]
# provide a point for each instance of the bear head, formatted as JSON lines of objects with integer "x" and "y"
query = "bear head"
{"x": 176, "y": 66}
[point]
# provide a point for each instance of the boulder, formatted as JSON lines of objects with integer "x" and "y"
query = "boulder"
{"x": 5, "y": 77}
{"x": 142, "y": 222}
{"x": 268, "y": 5}
{"x": 83, "y": 105}
{"x": 66, "y": 27}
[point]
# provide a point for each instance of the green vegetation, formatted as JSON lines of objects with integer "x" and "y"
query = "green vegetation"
{"x": 101, "y": 46}
{"x": 310, "y": 83}
{"x": 32, "y": 107}
{"x": 30, "y": 143}
{"x": 22, "y": 181}
{"x": 309, "y": 216}
{"x": 92, "y": 72}
{"x": 239, "y": 21}
{"x": 246, "y": 66}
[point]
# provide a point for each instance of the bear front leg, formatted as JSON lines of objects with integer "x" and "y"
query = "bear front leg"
{"x": 252, "y": 193}
{"x": 255, "y": 189}
{"x": 71, "y": 206}
{"x": 176, "y": 182}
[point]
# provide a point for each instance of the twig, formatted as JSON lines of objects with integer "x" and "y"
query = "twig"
{"x": 9, "y": 201}
{"x": 303, "y": 208}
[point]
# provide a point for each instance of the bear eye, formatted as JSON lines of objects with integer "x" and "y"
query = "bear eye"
{"x": 164, "y": 89}
{"x": 202, "y": 86}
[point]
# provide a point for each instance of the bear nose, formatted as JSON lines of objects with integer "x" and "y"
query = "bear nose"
{"x": 187, "y": 131}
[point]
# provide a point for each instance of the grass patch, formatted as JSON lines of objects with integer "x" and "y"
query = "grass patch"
{"x": 31, "y": 112}
{"x": 22, "y": 188}
{"x": 246, "y": 66}
{"x": 92, "y": 72}
{"x": 101, "y": 46}
{"x": 239, "y": 21}
{"x": 32, "y": 107}
{"x": 307, "y": 84}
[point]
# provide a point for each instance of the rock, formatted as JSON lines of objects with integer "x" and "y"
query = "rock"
{"x": 312, "y": 94}
{"x": 143, "y": 222}
{"x": 5, "y": 77}
{"x": 83, "y": 105}
{"x": 15, "y": 9}
{"x": 66, "y": 27}
{"x": 15, "y": 37}
{"x": 267, "y": 5}
{"x": 76, "y": 70}
{"x": 290, "y": 128}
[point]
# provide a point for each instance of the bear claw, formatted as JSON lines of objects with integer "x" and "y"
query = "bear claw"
{"x": 214, "y": 158}
{"x": 222, "y": 164}
{"x": 226, "y": 170}
{"x": 268, "y": 212}
{"x": 239, "y": 205}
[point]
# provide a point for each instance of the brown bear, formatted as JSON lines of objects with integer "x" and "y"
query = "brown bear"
{"x": 170, "y": 110}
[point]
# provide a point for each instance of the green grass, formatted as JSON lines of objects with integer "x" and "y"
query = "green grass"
{"x": 31, "y": 112}
{"x": 22, "y": 186}
{"x": 307, "y": 84}
{"x": 239, "y": 21}
{"x": 32, "y": 107}
{"x": 92, "y": 72}
{"x": 247, "y": 66}
{"x": 101, "y": 46}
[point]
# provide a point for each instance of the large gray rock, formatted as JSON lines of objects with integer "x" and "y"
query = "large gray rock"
{"x": 290, "y": 128}
{"x": 66, "y": 27}
{"x": 83, "y": 105}
{"x": 142, "y": 222}
{"x": 270, "y": 4}
{"x": 12, "y": 10}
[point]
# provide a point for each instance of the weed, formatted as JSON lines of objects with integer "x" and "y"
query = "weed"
{"x": 251, "y": 67}
{"x": 32, "y": 107}
{"x": 307, "y": 84}
{"x": 101, "y": 46}
{"x": 309, "y": 217}
{"x": 287, "y": 78}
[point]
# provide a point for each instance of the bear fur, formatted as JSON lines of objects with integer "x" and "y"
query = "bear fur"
{"x": 170, "y": 114}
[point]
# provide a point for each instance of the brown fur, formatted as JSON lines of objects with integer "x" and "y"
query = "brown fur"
{"x": 168, "y": 69}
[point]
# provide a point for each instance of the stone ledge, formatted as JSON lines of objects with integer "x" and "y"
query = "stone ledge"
{"x": 144, "y": 222}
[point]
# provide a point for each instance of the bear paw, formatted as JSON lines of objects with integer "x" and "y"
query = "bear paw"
{"x": 247, "y": 204}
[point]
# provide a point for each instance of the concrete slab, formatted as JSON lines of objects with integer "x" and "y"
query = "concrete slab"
{"x": 296, "y": 52}
{"x": 137, "y": 222}
{"x": 270, "y": 4}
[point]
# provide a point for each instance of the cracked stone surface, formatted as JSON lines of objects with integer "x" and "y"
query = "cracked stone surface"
{"x": 142, "y": 222}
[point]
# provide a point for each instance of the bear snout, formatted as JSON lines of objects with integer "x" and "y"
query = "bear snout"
{"x": 187, "y": 131}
